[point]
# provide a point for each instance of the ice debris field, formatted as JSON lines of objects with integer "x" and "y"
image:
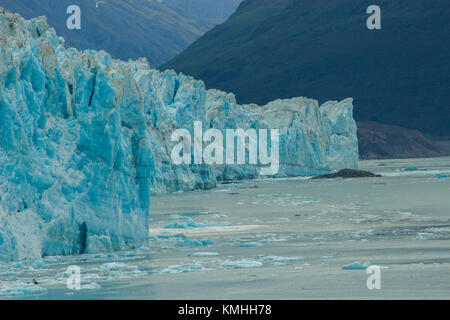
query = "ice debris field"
{"x": 296, "y": 238}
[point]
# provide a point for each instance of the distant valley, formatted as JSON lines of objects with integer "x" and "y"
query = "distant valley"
{"x": 131, "y": 29}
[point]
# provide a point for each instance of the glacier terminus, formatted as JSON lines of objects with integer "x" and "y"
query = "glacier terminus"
{"x": 86, "y": 139}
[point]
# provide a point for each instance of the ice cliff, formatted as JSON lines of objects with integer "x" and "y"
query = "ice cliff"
{"x": 84, "y": 139}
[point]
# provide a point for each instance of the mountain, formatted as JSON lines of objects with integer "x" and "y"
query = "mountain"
{"x": 128, "y": 29}
{"x": 213, "y": 11}
{"x": 399, "y": 75}
{"x": 381, "y": 141}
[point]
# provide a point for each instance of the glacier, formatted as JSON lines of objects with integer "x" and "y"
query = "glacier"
{"x": 85, "y": 139}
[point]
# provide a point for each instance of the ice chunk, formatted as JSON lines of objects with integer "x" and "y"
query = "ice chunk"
{"x": 203, "y": 254}
{"x": 178, "y": 217}
{"x": 90, "y": 286}
{"x": 282, "y": 259}
{"x": 143, "y": 248}
{"x": 114, "y": 266}
{"x": 190, "y": 223}
{"x": 357, "y": 266}
{"x": 184, "y": 268}
{"x": 23, "y": 291}
{"x": 375, "y": 232}
{"x": 207, "y": 242}
{"x": 130, "y": 254}
{"x": 240, "y": 264}
{"x": 187, "y": 242}
{"x": 38, "y": 264}
{"x": 17, "y": 265}
{"x": 250, "y": 244}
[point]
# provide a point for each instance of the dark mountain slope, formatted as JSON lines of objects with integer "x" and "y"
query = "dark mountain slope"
{"x": 214, "y": 11}
{"x": 381, "y": 141}
{"x": 270, "y": 49}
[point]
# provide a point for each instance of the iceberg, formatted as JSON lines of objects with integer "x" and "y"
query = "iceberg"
{"x": 85, "y": 139}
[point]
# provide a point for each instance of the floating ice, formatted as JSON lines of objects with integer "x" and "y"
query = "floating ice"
{"x": 91, "y": 286}
{"x": 357, "y": 266}
{"x": 52, "y": 259}
{"x": 91, "y": 277}
{"x": 242, "y": 264}
{"x": 178, "y": 217}
{"x": 130, "y": 254}
{"x": 310, "y": 202}
{"x": 206, "y": 242}
{"x": 282, "y": 259}
{"x": 184, "y": 268}
{"x": 271, "y": 238}
{"x": 114, "y": 266}
{"x": 24, "y": 291}
{"x": 38, "y": 264}
{"x": 176, "y": 225}
{"x": 375, "y": 232}
{"x": 17, "y": 265}
{"x": 250, "y": 244}
{"x": 113, "y": 270}
{"x": 203, "y": 254}
{"x": 194, "y": 243}
{"x": 190, "y": 223}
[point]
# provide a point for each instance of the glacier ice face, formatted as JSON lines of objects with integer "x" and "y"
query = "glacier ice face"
{"x": 74, "y": 150}
{"x": 313, "y": 140}
{"x": 85, "y": 138}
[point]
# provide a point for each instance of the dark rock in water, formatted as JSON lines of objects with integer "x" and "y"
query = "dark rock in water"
{"x": 348, "y": 173}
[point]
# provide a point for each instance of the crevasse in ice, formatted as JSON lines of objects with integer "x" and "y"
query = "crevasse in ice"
{"x": 84, "y": 139}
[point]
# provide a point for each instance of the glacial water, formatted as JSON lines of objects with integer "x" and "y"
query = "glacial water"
{"x": 287, "y": 238}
